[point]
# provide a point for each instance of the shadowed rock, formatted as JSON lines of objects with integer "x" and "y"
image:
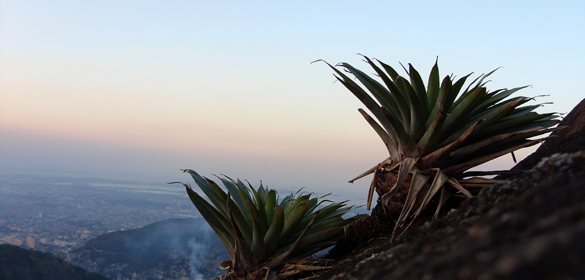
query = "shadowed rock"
{"x": 532, "y": 227}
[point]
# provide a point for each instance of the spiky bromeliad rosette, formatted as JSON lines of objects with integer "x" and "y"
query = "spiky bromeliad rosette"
{"x": 435, "y": 133}
{"x": 265, "y": 238}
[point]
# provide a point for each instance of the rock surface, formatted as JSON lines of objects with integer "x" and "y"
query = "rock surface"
{"x": 530, "y": 228}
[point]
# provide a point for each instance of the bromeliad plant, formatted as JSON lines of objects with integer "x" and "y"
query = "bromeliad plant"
{"x": 434, "y": 133}
{"x": 266, "y": 238}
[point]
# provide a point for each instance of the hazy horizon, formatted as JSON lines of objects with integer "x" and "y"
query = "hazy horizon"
{"x": 141, "y": 89}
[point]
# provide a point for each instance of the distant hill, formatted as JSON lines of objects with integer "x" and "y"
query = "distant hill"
{"x": 156, "y": 245}
{"x": 20, "y": 264}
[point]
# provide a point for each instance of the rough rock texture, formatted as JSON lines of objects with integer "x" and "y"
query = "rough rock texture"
{"x": 530, "y": 228}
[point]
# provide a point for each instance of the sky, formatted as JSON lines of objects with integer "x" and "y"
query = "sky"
{"x": 140, "y": 89}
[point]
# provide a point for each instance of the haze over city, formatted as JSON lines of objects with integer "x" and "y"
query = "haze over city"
{"x": 138, "y": 90}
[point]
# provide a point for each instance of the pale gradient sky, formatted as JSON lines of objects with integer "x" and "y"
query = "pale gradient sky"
{"x": 139, "y": 89}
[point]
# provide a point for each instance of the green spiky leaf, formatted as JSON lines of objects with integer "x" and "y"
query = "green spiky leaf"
{"x": 258, "y": 231}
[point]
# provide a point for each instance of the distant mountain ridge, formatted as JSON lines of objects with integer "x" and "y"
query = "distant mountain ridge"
{"x": 158, "y": 244}
{"x": 21, "y": 264}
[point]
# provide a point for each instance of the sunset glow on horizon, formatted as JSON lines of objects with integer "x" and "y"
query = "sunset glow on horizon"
{"x": 141, "y": 89}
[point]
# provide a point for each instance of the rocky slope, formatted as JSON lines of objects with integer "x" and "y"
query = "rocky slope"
{"x": 532, "y": 227}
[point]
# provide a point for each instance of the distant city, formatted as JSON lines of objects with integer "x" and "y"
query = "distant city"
{"x": 58, "y": 214}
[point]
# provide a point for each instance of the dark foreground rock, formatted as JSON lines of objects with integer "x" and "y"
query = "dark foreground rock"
{"x": 20, "y": 264}
{"x": 529, "y": 228}
{"x": 532, "y": 227}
